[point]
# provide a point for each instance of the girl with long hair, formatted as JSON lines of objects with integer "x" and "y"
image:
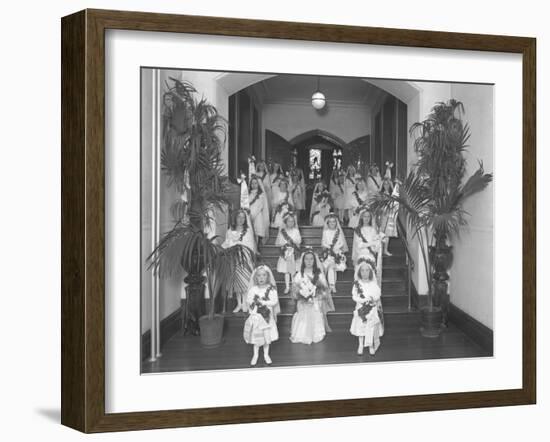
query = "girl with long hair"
{"x": 309, "y": 290}
{"x": 259, "y": 209}
{"x": 334, "y": 246}
{"x": 240, "y": 232}
{"x": 368, "y": 318}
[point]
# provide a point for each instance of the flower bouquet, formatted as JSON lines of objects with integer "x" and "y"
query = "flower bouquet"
{"x": 262, "y": 309}
{"x": 339, "y": 258}
{"x": 286, "y": 252}
{"x": 365, "y": 309}
{"x": 307, "y": 290}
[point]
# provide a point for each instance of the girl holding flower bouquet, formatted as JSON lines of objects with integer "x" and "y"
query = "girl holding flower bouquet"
{"x": 349, "y": 188}
{"x": 309, "y": 290}
{"x": 260, "y": 328}
{"x": 388, "y": 219}
{"x": 289, "y": 239}
{"x": 367, "y": 243}
{"x": 282, "y": 203}
{"x": 337, "y": 193}
{"x": 358, "y": 201}
{"x": 334, "y": 246}
{"x": 276, "y": 177}
{"x": 368, "y": 319}
{"x": 263, "y": 174}
{"x": 298, "y": 190}
{"x": 320, "y": 208}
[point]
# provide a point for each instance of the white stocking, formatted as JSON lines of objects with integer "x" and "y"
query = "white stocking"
{"x": 287, "y": 282}
{"x": 266, "y": 352}
{"x": 331, "y": 274}
{"x": 255, "y": 355}
{"x": 361, "y": 344}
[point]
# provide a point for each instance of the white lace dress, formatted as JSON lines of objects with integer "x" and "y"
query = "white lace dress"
{"x": 358, "y": 200}
{"x": 372, "y": 326}
{"x": 308, "y": 325}
{"x": 257, "y": 330}
{"x": 259, "y": 213}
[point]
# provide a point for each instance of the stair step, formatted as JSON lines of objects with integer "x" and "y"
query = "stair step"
{"x": 344, "y": 288}
{"x": 393, "y": 318}
{"x": 308, "y": 241}
{"x": 388, "y": 270}
{"x": 273, "y": 250}
{"x": 312, "y": 231}
{"x": 345, "y": 304}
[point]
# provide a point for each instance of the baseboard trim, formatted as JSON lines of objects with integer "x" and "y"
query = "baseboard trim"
{"x": 477, "y": 331}
{"x": 415, "y": 297}
{"x": 169, "y": 326}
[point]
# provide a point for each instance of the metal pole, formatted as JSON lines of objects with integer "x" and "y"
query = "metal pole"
{"x": 154, "y": 218}
{"x": 157, "y": 147}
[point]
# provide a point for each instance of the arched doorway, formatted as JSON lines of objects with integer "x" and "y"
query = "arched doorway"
{"x": 314, "y": 152}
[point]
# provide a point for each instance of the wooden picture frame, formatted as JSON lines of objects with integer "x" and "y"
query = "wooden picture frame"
{"x": 83, "y": 220}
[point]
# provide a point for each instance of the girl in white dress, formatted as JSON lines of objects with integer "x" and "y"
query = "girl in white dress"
{"x": 334, "y": 246}
{"x": 374, "y": 180}
{"x": 289, "y": 240}
{"x": 309, "y": 290}
{"x": 282, "y": 204}
{"x": 359, "y": 201}
{"x": 320, "y": 208}
{"x": 368, "y": 318}
{"x": 367, "y": 243}
{"x": 240, "y": 232}
{"x": 260, "y": 328}
{"x": 276, "y": 177}
{"x": 318, "y": 189}
{"x": 297, "y": 190}
{"x": 333, "y": 182}
{"x": 337, "y": 194}
{"x": 259, "y": 209}
{"x": 349, "y": 188}
{"x": 263, "y": 175}
{"x": 388, "y": 219}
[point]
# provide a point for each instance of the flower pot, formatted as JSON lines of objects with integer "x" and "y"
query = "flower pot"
{"x": 194, "y": 307}
{"x": 431, "y": 318}
{"x": 442, "y": 258}
{"x": 211, "y": 330}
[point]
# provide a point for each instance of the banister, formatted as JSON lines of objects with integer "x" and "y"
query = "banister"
{"x": 410, "y": 261}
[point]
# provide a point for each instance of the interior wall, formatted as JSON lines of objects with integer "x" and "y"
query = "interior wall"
{"x": 171, "y": 289}
{"x": 169, "y": 299}
{"x": 347, "y": 122}
{"x": 471, "y": 287}
{"x": 418, "y": 108}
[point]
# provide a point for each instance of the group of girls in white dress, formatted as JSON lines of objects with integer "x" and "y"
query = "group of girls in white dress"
{"x": 311, "y": 278}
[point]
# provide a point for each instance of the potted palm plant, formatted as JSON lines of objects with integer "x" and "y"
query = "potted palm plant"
{"x": 431, "y": 199}
{"x": 193, "y": 137}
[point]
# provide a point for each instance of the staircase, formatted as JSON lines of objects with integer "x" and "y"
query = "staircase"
{"x": 394, "y": 280}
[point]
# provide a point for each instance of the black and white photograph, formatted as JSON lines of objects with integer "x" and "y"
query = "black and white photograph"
{"x": 301, "y": 220}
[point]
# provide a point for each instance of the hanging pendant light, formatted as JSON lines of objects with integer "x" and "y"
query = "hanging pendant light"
{"x": 318, "y": 99}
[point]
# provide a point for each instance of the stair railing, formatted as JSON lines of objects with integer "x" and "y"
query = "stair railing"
{"x": 402, "y": 234}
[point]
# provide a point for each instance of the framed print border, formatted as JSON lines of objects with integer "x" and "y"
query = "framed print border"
{"x": 83, "y": 219}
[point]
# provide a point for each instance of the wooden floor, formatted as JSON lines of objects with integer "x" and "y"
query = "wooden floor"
{"x": 402, "y": 342}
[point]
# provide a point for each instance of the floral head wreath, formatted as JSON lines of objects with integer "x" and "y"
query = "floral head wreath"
{"x": 283, "y": 180}
{"x": 331, "y": 215}
{"x": 363, "y": 260}
{"x": 289, "y": 214}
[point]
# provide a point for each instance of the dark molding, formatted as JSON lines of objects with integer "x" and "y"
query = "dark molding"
{"x": 415, "y": 297}
{"x": 478, "y": 332}
{"x": 169, "y": 326}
